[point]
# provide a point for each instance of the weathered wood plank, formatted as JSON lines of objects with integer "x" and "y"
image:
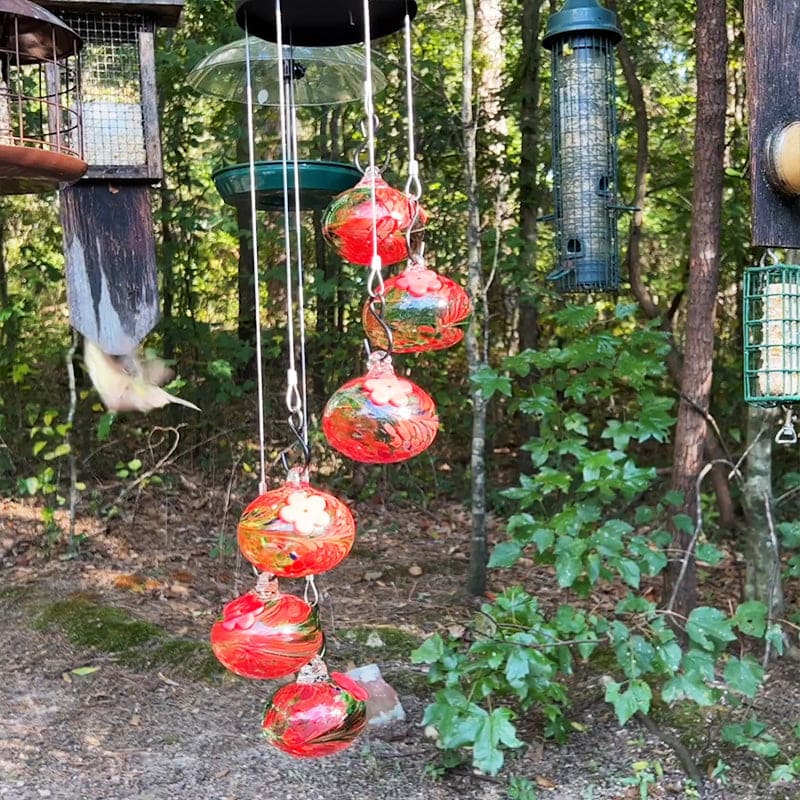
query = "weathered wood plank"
{"x": 772, "y": 37}
{"x": 109, "y": 243}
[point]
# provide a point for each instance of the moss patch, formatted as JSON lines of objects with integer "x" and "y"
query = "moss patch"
{"x": 375, "y": 643}
{"x": 135, "y": 642}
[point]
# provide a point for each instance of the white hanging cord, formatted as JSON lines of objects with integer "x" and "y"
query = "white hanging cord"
{"x": 301, "y": 303}
{"x": 293, "y": 399}
{"x": 262, "y": 485}
{"x": 413, "y": 186}
{"x": 375, "y": 287}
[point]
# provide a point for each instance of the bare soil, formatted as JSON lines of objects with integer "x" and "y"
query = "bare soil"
{"x": 118, "y": 731}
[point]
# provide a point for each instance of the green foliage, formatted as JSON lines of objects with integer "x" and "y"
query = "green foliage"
{"x": 590, "y": 511}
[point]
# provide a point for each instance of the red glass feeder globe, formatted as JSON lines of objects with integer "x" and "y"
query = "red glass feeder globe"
{"x": 266, "y": 637}
{"x": 422, "y": 309}
{"x": 317, "y": 715}
{"x": 296, "y": 530}
{"x": 380, "y": 418}
{"x": 349, "y": 226}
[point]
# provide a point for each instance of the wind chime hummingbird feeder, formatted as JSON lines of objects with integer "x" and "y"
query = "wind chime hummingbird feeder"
{"x": 581, "y": 37}
{"x": 297, "y": 530}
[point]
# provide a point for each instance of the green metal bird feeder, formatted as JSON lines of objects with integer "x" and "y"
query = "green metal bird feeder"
{"x": 581, "y": 38}
{"x": 772, "y": 335}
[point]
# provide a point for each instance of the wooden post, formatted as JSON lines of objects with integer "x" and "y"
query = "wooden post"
{"x": 110, "y": 250}
{"x": 772, "y": 41}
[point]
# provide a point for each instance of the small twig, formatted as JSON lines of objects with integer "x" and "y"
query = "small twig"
{"x": 698, "y": 528}
{"x": 679, "y": 748}
{"x": 711, "y": 421}
{"x": 149, "y": 474}
{"x": 73, "y": 404}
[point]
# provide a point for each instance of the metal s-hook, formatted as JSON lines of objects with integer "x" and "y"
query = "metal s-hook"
{"x": 787, "y": 434}
{"x": 768, "y": 255}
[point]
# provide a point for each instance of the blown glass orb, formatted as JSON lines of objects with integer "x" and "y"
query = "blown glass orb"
{"x": 265, "y": 638}
{"x": 296, "y": 530}
{"x": 422, "y": 309}
{"x": 315, "y": 716}
{"x": 348, "y": 221}
{"x": 380, "y": 418}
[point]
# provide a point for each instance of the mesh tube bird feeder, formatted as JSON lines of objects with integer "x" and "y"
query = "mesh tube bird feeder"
{"x": 40, "y": 134}
{"x": 772, "y": 335}
{"x": 581, "y": 38}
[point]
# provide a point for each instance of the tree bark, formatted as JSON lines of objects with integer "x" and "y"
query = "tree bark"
{"x": 476, "y": 578}
{"x": 761, "y": 551}
{"x": 711, "y": 52}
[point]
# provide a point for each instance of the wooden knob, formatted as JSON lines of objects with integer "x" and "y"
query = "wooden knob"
{"x": 782, "y": 159}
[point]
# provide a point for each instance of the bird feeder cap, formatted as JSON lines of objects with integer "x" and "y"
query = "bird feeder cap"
{"x": 581, "y": 16}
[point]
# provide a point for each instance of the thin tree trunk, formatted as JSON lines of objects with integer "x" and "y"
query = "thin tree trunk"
{"x": 690, "y": 434}
{"x": 476, "y": 579}
{"x": 762, "y": 554}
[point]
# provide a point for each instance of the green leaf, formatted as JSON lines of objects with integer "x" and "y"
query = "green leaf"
{"x": 709, "y": 553}
{"x": 505, "y": 554}
{"x": 57, "y": 452}
{"x": 30, "y": 485}
{"x": 775, "y": 638}
{"x": 490, "y": 382}
{"x": 744, "y": 675}
{"x": 629, "y": 570}
{"x": 104, "y": 425}
{"x": 635, "y": 698}
{"x": 751, "y": 618}
{"x": 494, "y": 729}
{"x": 81, "y": 671}
{"x": 38, "y": 447}
{"x": 709, "y": 627}
{"x": 429, "y": 652}
{"x": 518, "y": 665}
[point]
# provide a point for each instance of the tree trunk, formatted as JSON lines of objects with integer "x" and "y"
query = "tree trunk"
{"x": 476, "y": 579}
{"x": 762, "y": 555}
{"x": 530, "y": 201}
{"x": 690, "y": 434}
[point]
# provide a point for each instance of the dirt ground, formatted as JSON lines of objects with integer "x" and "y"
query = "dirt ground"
{"x": 81, "y": 723}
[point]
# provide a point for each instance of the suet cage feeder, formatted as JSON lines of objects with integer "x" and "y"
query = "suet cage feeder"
{"x": 315, "y": 77}
{"x": 772, "y": 335}
{"x": 40, "y": 131}
{"x": 581, "y": 38}
{"x": 119, "y": 105}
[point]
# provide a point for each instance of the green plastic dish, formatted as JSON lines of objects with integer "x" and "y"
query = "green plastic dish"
{"x": 320, "y": 181}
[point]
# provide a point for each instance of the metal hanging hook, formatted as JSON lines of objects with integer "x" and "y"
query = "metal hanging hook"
{"x": 787, "y": 434}
{"x": 768, "y": 255}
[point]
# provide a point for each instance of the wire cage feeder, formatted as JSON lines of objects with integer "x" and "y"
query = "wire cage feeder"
{"x": 119, "y": 104}
{"x": 581, "y": 38}
{"x": 771, "y": 301}
{"x": 40, "y": 131}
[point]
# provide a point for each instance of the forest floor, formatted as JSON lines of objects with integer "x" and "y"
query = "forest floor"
{"x": 109, "y": 691}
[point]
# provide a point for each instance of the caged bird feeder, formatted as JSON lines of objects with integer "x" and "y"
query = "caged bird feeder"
{"x": 772, "y": 336}
{"x": 40, "y": 133}
{"x": 581, "y": 38}
{"x": 119, "y": 104}
{"x": 109, "y": 240}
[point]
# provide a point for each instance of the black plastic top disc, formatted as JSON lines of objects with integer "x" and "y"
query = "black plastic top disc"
{"x": 323, "y": 23}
